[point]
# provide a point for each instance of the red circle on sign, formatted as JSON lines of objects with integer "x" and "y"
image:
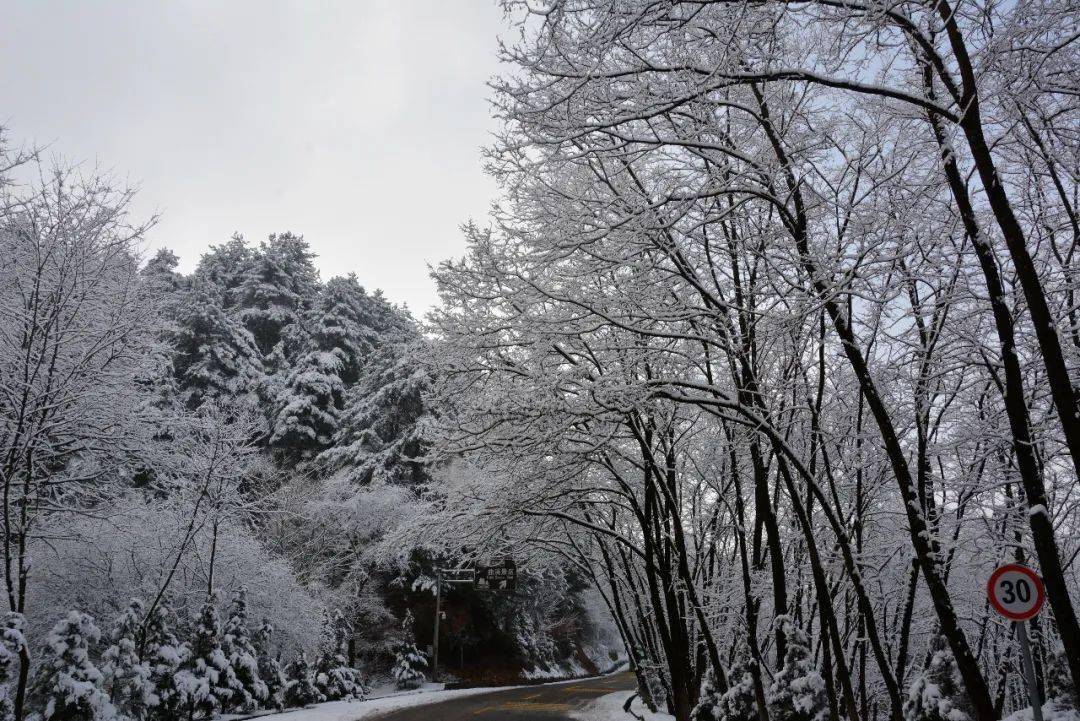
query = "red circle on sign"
{"x": 1000, "y": 604}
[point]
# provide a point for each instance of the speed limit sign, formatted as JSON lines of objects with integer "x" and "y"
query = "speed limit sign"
{"x": 1016, "y": 592}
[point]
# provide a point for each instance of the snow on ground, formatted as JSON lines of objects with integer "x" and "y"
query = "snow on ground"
{"x": 610, "y": 708}
{"x": 1051, "y": 712}
{"x": 356, "y": 710}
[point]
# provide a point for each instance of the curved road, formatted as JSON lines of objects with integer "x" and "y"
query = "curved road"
{"x": 550, "y": 702}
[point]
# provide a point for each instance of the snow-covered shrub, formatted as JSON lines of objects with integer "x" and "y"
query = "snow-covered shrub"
{"x": 1059, "y": 685}
{"x": 269, "y": 669}
{"x": 335, "y": 679}
{"x": 300, "y": 687}
{"x": 936, "y": 693}
{"x": 68, "y": 679}
{"x": 236, "y": 644}
{"x": 797, "y": 693}
{"x": 410, "y": 666}
{"x": 128, "y": 678}
{"x": 739, "y": 702}
{"x": 206, "y": 678}
{"x": 12, "y": 643}
{"x": 165, "y": 655}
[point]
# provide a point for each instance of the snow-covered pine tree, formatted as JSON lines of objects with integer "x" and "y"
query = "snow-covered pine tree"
{"x": 797, "y": 693}
{"x": 936, "y": 693}
{"x": 128, "y": 679}
{"x": 68, "y": 680}
{"x": 380, "y": 437}
{"x": 207, "y": 679}
{"x": 165, "y": 655}
{"x": 410, "y": 666}
{"x": 335, "y": 679}
{"x": 214, "y": 356}
{"x": 739, "y": 702}
{"x": 1059, "y": 685}
{"x": 341, "y": 331}
{"x": 226, "y": 266}
{"x": 300, "y": 687}
{"x": 278, "y": 288}
{"x": 269, "y": 669}
{"x": 12, "y": 644}
{"x": 241, "y": 654}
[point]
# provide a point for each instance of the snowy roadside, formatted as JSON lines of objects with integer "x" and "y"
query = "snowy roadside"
{"x": 610, "y": 708}
{"x": 372, "y": 706}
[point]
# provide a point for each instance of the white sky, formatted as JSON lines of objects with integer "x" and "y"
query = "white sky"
{"x": 357, "y": 123}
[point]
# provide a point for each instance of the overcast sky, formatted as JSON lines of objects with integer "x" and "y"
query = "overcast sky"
{"x": 357, "y": 123}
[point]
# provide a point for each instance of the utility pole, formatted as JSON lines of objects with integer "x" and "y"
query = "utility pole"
{"x": 438, "y": 616}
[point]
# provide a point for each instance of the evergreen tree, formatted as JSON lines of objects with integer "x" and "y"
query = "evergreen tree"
{"x": 208, "y": 680}
{"x": 213, "y": 355}
{"x": 277, "y": 289}
{"x": 70, "y": 682}
{"x": 410, "y": 666}
{"x": 739, "y": 702}
{"x": 341, "y": 333}
{"x": 936, "y": 694}
{"x": 797, "y": 693}
{"x": 380, "y": 437}
{"x": 241, "y": 655}
{"x": 160, "y": 272}
{"x": 165, "y": 656}
{"x": 1059, "y": 685}
{"x": 300, "y": 687}
{"x": 12, "y": 645}
{"x": 226, "y": 267}
{"x": 335, "y": 679}
{"x": 128, "y": 679}
{"x": 269, "y": 669}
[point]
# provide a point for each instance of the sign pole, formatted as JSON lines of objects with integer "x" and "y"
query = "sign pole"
{"x": 1029, "y": 671}
{"x": 435, "y": 640}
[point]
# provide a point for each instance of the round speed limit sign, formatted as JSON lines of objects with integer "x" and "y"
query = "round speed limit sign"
{"x": 1016, "y": 592}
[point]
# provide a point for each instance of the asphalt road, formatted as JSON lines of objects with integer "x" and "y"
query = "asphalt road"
{"x": 552, "y": 702}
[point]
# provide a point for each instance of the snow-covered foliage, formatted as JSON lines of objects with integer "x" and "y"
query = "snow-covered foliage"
{"x": 12, "y": 644}
{"x": 935, "y": 692}
{"x": 300, "y": 689}
{"x": 269, "y": 668}
{"x": 410, "y": 666}
{"x": 236, "y": 643}
{"x": 69, "y": 680}
{"x": 128, "y": 678}
{"x": 334, "y": 678}
{"x": 797, "y": 692}
{"x": 207, "y": 679}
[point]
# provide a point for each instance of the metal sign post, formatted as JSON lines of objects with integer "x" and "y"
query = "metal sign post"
{"x": 1016, "y": 592}
{"x": 455, "y": 575}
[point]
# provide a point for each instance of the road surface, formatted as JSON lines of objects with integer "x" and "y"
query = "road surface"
{"x": 552, "y": 702}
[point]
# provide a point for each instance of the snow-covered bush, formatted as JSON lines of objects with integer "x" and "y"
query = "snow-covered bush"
{"x": 165, "y": 654}
{"x": 739, "y": 702}
{"x": 300, "y": 687}
{"x": 335, "y": 679}
{"x": 128, "y": 679}
{"x": 236, "y": 644}
{"x": 797, "y": 693}
{"x": 936, "y": 694}
{"x": 269, "y": 669}
{"x": 68, "y": 679}
{"x": 206, "y": 678}
{"x": 12, "y": 643}
{"x": 410, "y": 666}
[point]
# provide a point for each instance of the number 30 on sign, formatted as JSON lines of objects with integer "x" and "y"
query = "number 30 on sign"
{"x": 1016, "y": 592}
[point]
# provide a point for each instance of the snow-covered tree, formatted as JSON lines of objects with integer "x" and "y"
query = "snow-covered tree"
{"x": 165, "y": 655}
{"x": 226, "y": 267}
{"x": 277, "y": 289}
{"x": 335, "y": 679}
{"x": 300, "y": 689}
{"x": 269, "y": 668}
{"x": 68, "y": 679}
{"x": 128, "y": 676}
{"x": 381, "y": 429}
{"x": 410, "y": 665}
{"x": 214, "y": 356}
{"x": 12, "y": 646}
{"x": 797, "y": 692}
{"x": 936, "y": 692}
{"x": 739, "y": 702}
{"x": 241, "y": 653}
{"x": 207, "y": 679}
